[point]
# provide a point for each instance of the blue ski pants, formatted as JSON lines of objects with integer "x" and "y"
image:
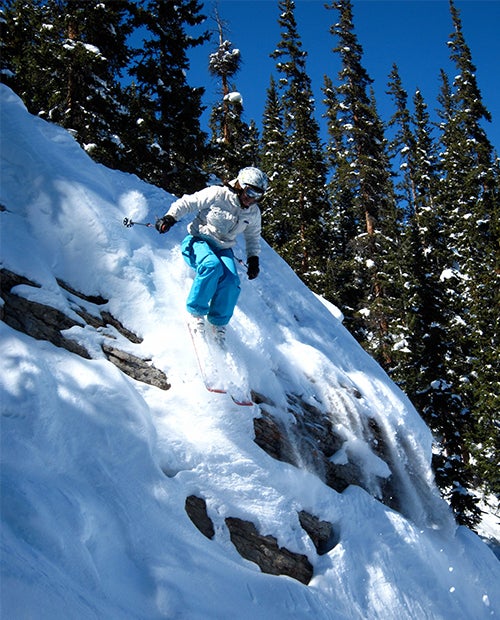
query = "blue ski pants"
{"x": 216, "y": 286}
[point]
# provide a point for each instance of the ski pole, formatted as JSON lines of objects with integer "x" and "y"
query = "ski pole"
{"x": 241, "y": 261}
{"x": 129, "y": 223}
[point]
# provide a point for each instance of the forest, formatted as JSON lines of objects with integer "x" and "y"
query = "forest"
{"x": 401, "y": 233}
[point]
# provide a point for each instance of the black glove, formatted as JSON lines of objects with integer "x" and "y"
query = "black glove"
{"x": 253, "y": 267}
{"x": 164, "y": 224}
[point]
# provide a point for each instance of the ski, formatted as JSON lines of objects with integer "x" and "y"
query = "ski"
{"x": 207, "y": 369}
{"x": 241, "y": 400}
{"x": 209, "y": 363}
{"x": 227, "y": 368}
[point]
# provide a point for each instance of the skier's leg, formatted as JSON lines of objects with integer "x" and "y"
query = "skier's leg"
{"x": 209, "y": 270}
{"x": 227, "y": 292}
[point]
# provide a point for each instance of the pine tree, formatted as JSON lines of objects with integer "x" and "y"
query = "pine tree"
{"x": 426, "y": 304}
{"x": 343, "y": 223}
{"x": 234, "y": 143}
{"x": 402, "y": 145}
{"x": 303, "y": 209}
{"x": 343, "y": 287}
{"x": 167, "y": 129}
{"x": 92, "y": 63}
{"x": 362, "y": 195}
{"x": 402, "y": 150}
{"x": 67, "y": 58}
{"x": 275, "y": 162}
{"x": 26, "y": 35}
{"x": 470, "y": 200}
{"x": 414, "y": 156}
{"x": 426, "y": 376}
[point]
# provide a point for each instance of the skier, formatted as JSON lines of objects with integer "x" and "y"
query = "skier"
{"x": 223, "y": 212}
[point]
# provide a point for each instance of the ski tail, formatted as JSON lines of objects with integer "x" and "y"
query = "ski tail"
{"x": 217, "y": 373}
{"x": 208, "y": 371}
{"x": 242, "y": 401}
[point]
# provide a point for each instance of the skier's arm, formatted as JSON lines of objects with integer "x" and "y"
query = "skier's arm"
{"x": 189, "y": 203}
{"x": 252, "y": 235}
{"x": 252, "y": 239}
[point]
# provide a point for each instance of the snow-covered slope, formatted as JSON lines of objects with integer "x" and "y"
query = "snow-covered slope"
{"x": 96, "y": 467}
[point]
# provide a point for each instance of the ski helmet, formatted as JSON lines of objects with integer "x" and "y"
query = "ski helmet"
{"x": 254, "y": 177}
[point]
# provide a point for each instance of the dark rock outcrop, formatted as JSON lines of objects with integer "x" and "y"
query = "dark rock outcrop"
{"x": 196, "y": 508}
{"x": 321, "y": 533}
{"x": 265, "y": 552}
{"x": 310, "y": 442}
{"x": 34, "y": 319}
{"x": 46, "y": 323}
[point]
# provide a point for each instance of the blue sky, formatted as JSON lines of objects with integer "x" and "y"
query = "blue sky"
{"x": 410, "y": 33}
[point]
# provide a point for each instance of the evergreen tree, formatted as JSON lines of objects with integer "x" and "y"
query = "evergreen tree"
{"x": 166, "y": 133}
{"x": 95, "y": 54}
{"x": 470, "y": 200}
{"x": 252, "y": 147}
{"x": 369, "y": 292}
{"x": 342, "y": 225}
{"x": 303, "y": 207}
{"x": 234, "y": 143}
{"x": 275, "y": 161}
{"x": 414, "y": 156}
{"x": 425, "y": 373}
{"x": 402, "y": 149}
{"x": 26, "y": 35}
{"x": 402, "y": 146}
{"x": 425, "y": 290}
{"x": 67, "y": 57}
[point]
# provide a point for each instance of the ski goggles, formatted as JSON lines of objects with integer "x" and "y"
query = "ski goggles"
{"x": 253, "y": 192}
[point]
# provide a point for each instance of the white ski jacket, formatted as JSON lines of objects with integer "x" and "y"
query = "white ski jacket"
{"x": 220, "y": 218}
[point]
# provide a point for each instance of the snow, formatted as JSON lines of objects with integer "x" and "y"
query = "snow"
{"x": 234, "y": 97}
{"x": 447, "y": 274}
{"x": 96, "y": 467}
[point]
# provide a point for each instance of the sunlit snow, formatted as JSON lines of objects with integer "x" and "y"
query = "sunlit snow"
{"x": 96, "y": 467}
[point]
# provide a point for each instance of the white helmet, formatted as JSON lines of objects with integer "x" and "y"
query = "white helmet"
{"x": 254, "y": 177}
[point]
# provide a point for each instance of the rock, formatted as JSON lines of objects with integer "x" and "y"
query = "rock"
{"x": 34, "y": 319}
{"x": 271, "y": 436}
{"x": 310, "y": 442}
{"x": 320, "y": 532}
{"x": 196, "y": 508}
{"x": 46, "y": 323}
{"x": 97, "y": 300}
{"x": 265, "y": 552}
{"x": 136, "y": 367}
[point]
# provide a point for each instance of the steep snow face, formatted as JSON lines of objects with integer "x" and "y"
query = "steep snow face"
{"x": 96, "y": 467}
